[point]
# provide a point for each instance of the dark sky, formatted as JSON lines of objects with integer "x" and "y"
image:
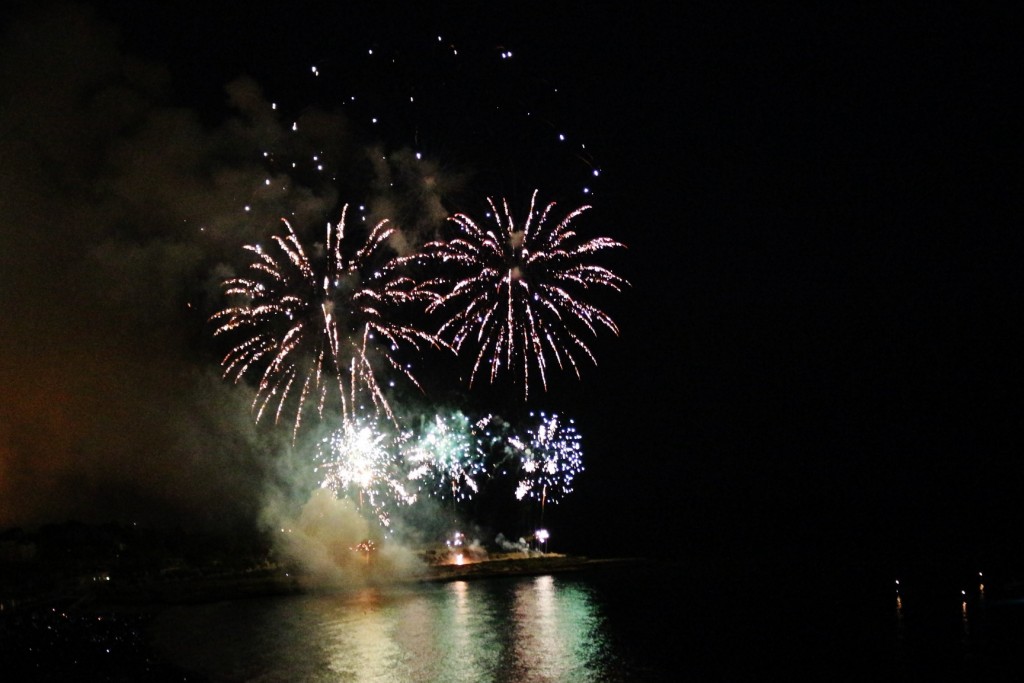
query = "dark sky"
{"x": 821, "y": 342}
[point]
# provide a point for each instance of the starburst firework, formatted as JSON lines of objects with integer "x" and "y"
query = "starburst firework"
{"x": 550, "y": 457}
{"x": 361, "y": 459}
{"x": 313, "y": 321}
{"x": 445, "y": 459}
{"x": 516, "y": 295}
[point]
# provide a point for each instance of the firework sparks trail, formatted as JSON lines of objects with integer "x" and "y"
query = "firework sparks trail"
{"x": 446, "y": 459}
{"x": 361, "y": 459}
{"x": 312, "y": 320}
{"x": 550, "y": 457}
{"x": 516, "y": 294}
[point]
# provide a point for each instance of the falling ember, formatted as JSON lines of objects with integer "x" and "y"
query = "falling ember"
{"x": 315, "y": 321}
{"x": 516, "y": 295}
{"x": 365, "y": 548}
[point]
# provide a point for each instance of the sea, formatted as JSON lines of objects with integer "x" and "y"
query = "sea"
{"x": 624, "y": 621}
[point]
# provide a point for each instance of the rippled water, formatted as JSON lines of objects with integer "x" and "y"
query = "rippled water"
{"x": 544, "y": 628}
{"x": 630, "y": 623}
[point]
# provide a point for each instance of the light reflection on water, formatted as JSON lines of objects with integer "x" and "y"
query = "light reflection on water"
{"x": 528, "y": 629}
{"x": 635, "y": 622}
{"x": 557, "y": 633}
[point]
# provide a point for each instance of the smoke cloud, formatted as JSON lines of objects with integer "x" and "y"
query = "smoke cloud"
{"x": 334, "y": 545}
{"x": 121, "y": 214}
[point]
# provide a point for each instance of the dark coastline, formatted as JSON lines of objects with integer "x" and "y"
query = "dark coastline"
{"x": 551, "y": 564}
{"x": 279, "y": 581}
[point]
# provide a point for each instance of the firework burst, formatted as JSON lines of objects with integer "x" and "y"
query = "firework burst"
{"x": 361, "y": 460}
{"x": 549, "y": 457}
{"x": 515, "y": 294}
{"x": 315, "y": 321}
{"x": 445, "y": 458}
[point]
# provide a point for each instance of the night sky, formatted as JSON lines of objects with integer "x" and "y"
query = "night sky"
{"x": 821, "y": 344}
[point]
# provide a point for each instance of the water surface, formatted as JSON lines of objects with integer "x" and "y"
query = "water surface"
{"x": 543, "y": 628}
{"x": 639, "y": 622}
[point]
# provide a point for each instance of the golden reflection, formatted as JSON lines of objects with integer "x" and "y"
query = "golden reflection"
{"x": 899, "y": 613}
{"x": 366, "y": 652}
{"x": 461, "y": 638}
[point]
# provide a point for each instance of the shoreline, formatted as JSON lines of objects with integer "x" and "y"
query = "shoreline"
{"x": 516, "y": 566}
{"x": 279, "y": 581}
{"x": 134, "y": 595}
